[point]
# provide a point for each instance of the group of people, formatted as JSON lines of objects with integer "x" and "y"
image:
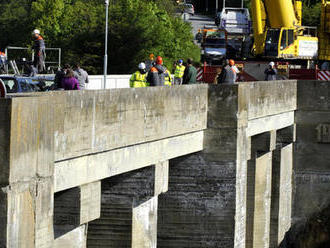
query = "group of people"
{"x": 71, "y": 79}
{"x": 153, "y": 72}
{"x": 229, "y": 73}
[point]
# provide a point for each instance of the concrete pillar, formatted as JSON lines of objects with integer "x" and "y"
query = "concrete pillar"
{"x": 27, "y": 156}
{"x": 144, "y": 224}
{"x": 129, "y": 209}
{"x": 262, "y": 201}
{"x": 76, "y": 238}
{"x": 75, "y": 207}
{"x": 199, "y": 208}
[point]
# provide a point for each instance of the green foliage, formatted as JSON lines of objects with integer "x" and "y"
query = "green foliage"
{"x": 136, "y": 29}
{"x": 311, "y": 14}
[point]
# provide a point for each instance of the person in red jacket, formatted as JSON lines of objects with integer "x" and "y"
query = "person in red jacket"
{"x": 39, "y": 51}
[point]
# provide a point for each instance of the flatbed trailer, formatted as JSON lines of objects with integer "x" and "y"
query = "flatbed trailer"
{"x": 251, "y": 71}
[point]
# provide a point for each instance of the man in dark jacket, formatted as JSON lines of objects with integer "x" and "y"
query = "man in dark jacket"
{"x": 39, "y": 51}
{"x": 270, "y": 72}
{"x": 228, "y": 73}
{"x": 157, "y": 73}
{"x": 190, "y": 73}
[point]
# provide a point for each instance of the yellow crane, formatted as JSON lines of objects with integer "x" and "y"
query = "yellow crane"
{"x": 278, "y": 31}
{"x": 324, "y": 34}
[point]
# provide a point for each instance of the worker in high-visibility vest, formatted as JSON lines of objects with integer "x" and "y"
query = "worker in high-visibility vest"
{"x": 168, "y": 78}
{"x": 179, "y": 71}
{"x": 139, "y": 78}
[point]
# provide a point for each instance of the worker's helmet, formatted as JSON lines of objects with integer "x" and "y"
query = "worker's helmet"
{"x": 159, "y": 60}
{"x": 180, "y": 61}
{"x": 151, "y": 56}
{"x": 36, "y": 31}
{"x": 231, "y": 62}
{"x": 142, "y": 66}
{"x": 272, "y": 63}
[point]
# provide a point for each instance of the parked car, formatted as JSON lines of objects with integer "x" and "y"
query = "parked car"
{"x": 187, "y": 8}
{"x": 20, "y": 84}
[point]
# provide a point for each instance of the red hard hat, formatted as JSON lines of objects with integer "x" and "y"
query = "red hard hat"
{"x": 231, "y": 62}
{"x": 159, "y": 60}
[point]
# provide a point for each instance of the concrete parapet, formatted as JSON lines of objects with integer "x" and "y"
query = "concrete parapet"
{"x": 258, "y": 153}
{"x": 87, "y": 122}
{"x": 27, "y": 167}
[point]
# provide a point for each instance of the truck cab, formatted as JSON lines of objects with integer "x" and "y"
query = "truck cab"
{"x": 285, "y": 43}
{"x": 214, "y": 45}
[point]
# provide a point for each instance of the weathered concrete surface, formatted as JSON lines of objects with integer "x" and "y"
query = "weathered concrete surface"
{"x": 94, "y": 121}
{"x": 161, "y": 177}
{"x": 285, "y": 193}
{"x": 82, "y": 170}
{"x": 215, "y": 198}
{"x": 311, "y": 156}
{"x": 76, "y": 206}
{"x": 262, "y": 204}
{"x": 76, "y": 238}
{"x": 144, "y": 224}
{"x": 256, "y": 103}
{"x": 123, "y": 198}
{"x": 89, "y": 136}
{"x": 26, "y": 177}
{"x": 198, "y": 209}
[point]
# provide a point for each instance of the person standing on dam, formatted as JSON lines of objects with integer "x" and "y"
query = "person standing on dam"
{"x": 69, "y": 82}
{"x": 179, "y": 71}
{"x": 150, "y": 62}
{"x": 190, "y": 73}
{"x": 228, "y": 73}
{"x": 156, "y": 75}
{"x": 39, "y": 49}
{"x": 81, "y": 75}
{"x": 139, "y": 78}
{"x": 270, "y": 72}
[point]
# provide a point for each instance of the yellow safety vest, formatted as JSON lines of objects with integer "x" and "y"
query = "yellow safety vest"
{"x": 168, "y": 80}
{"x": 138, "y": 80}
{"x": 179, "y": 71}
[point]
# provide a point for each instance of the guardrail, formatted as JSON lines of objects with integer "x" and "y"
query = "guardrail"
{"x": 113, "y": 82}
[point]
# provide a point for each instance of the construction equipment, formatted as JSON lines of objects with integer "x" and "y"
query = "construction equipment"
{"x": 238, "y": 25}
{"x": 324, "y": 33}
{"x": 214, "y": 44}
{"x": 278, "y": 31}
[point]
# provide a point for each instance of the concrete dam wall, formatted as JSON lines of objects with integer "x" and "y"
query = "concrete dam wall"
{"x": 186, "y": 166}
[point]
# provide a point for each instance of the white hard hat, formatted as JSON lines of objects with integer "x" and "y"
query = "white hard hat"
{"x": 36, "y": 31}
{"x": 272, "y": 63}
{"x": 142, "y": 66}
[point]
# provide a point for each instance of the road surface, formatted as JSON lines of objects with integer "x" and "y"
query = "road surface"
{"x": 198, "y": 22}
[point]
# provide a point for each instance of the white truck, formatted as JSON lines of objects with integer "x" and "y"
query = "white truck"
{"x": 238, "y": 25}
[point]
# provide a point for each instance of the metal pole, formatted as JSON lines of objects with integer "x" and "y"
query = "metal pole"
{"x": 6, "y": 58}
{"x": 106, "y": 43}
{"x": 224, "y": 4}
{"x": 59, "y": 58}
{"x": 216, "y": 6}
{"x": 242, "y": 6}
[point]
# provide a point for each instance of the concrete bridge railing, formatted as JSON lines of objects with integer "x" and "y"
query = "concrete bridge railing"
{"x": 72, "y": 140}
{"x": 184, "y": 166}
